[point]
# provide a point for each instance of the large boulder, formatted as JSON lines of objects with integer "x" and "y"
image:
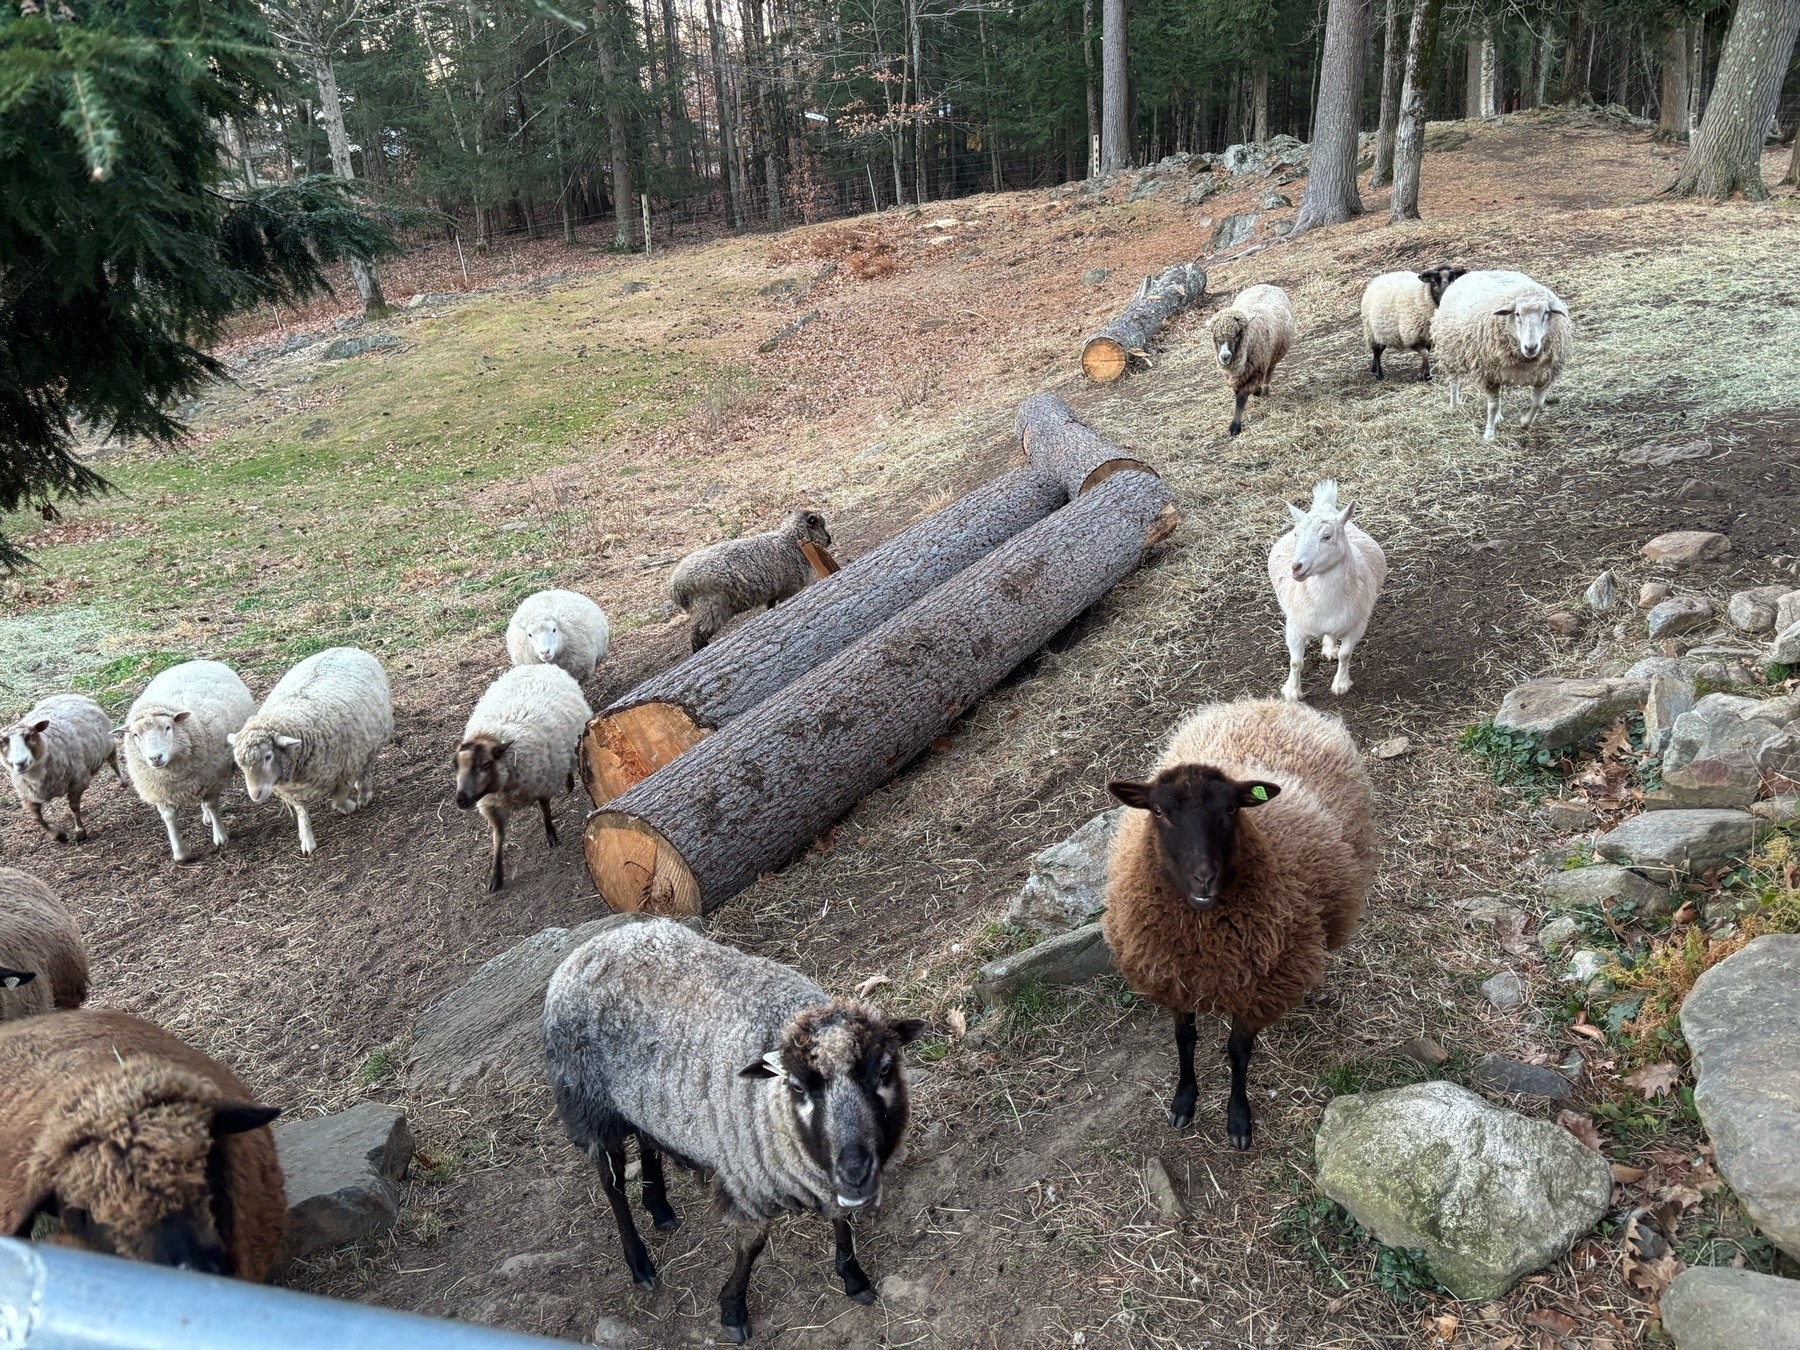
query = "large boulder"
{"x": 1713, "y": 751}
{"x": 1753, "y": 611}
{"x": 1742, "y": 1024}
{"x": 1068, "y": 958}
{"x": 1716, "y": 1308}
{"x": 1067, "y": 885}
{"x": 342, "y": 1175}
{"x": 1602, "y": 884}
{"x": 1669, "y": 842}
{"x": 1563, "y": 713}
{"x": 1488, "y": 1194}
{"x": 1670, "y": 697}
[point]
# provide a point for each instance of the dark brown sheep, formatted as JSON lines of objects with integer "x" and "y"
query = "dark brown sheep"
{"x": 39, "y": 940}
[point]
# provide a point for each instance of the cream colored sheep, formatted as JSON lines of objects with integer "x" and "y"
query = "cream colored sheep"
{"x": 1502, "y": 330}
{"x": 559, "y": 628}
{"x": 1397, "y": 309}
{"x": 176, "y": 747}
{"x": 54, "y": 751}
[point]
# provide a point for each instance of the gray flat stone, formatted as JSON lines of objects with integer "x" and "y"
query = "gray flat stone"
{"x": 1067, "y": 884}
{"x": 1496, "y": 1073}
{"x": 1505, "y": 991}
{"x": 1670, "y": 696}
{"x": 1778, "y": 810}
{"x": 1786, "y": 647}
{"x": 1716, "y": 1308}
{"x": 1562, "y": 815}
{"x": 1681, "y": 841}
{"x": 1787, "y": 610}
{"x": 342, "y": 1174}
{"x": 1712, "y": 756}
{"x": 1678, "y": 614}
{"x": 1754, "y": 611}
{"x": 1742, "y": 1024}
{"x": 1602, "y": 594}
{"x": 346, "y": 347}
{"x": 1557, "y": 934}
{"x": 1169, "y": 1204}
{"x": 1603, "y": 884}
{"x": 1487, "y": 1193}
{"x": 1562, "y": 713}
{"x": 1232, "y": 231}
{"x": 1068, "y": 958}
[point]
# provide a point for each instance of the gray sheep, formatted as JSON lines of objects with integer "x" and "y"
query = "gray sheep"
{"x": 43, "y": 964}
{"x": 729, "y": 1063}
{"x": 54, "y": 751}
{"x": 725, "y": 579}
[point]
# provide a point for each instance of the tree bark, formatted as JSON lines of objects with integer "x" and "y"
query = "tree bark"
{"x": 1392, "y": 63}
{"x": 1409, "y": 137}
{"x": 1478, "y": 95}
{"x": 918, "y": 121}
{"x": 1672, "y": 102}
{"x": 728, "y": 159}
{"x": 1093, "y": 104}
{"x": 331, "y": 112}
{"x": 676, "y": 710}
{"x": 1115, "y": 105}
{"x": 617, "y": 129}
{"x": 1726, "y": 157}
{"x": 1331, "y": 194}
{"x": 1108, "y": 354}
{"x": 749, "y": 798}
{"x": 1572, "y": 84}
{"x": 1259, "y": 103}
{"x": 1696, "y": 78}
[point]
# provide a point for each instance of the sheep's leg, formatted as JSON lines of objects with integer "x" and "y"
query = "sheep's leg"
{"x": 1328, "y": 646}
{"x": 1537, "y": 406}
{"x": 494, "y": 812}
{"x": 612, "y": 1181}
{"x": 214, "y": 816}
{"x": 549, "y": 822}
{"x": 1181, "y": 1108}
{"x": 37, "y": 813}
{"x": 365, "y": 783}
{"x": 734, "y": 1310}
{"x": 1375, "y": 366}
{"x": 1455, "y": 392}
{"x": 849, "y": 1269}
{"x": 1237, "y": 416}
{"x": 656, "y": 1189}
{"x": 1296, "y": 645}
{"x": 75, "y": 810}
{"x": 1493, "y": 416}
{"x": 1425, "y": 363}
{"x": 176, "y": 850}
{"x": 307, "y": 842}
{"x": 113, "y": 759}
{"x": 1238, "y": 1125}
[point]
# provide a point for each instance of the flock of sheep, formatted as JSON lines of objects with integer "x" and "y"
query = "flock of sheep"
{"x": 1245, "y": 861}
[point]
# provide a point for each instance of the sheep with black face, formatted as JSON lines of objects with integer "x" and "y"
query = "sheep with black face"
{"x": 1245, "y": 862}
{"x": 1397, "y": 309}
{"x": 730, "y": 1064}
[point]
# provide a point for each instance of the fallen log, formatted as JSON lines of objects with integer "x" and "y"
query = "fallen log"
{"x": 751, "y": 796}
{"x": 1059, "y": 444}
{"x": 674, "y": 711}
{"x": 1108, "y": 354}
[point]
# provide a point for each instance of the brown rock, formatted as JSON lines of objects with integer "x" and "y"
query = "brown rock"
{"x": 1563, "y": 624}
{"x": 1653, "y": 593}
{"x": 1686, "y": 546}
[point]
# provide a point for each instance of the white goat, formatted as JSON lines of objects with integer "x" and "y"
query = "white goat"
{"x": 1327, "y": 574}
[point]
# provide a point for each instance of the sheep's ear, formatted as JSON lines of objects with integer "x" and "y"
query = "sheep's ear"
{"x": 12, "y": 979}
{"x": 1558, "y": 307}
{"x": 41, "y": 727}
{"x": 39, "y": 1205}
{"x": 499, "y": 749}
{"x": 1255, "y": 794}
{"x": 769, "y": 1066}
{"x": 1294, "y": 511}
{"x": 1505, "y": 310}
{"x": 241, "y": 1119}
{"x": 1132, "y": 794}
{"x": 909, "y": 1029}
{"x": 1431, "y": 278}
{"x": 287, "y": 742}
{"x": 181, "y": 717}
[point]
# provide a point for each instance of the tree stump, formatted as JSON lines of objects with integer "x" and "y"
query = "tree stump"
{"x": 672, "y": 712}
{"x": 1108, "y": 354}
{"x": 1059, "y": 444}
{"x": 751, "y": 796}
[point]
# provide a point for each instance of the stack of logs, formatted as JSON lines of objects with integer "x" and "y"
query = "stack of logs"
{"x": 727, "y": 765}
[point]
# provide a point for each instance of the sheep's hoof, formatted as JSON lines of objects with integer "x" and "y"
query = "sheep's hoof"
{"x": 864, "y": 1296}
{"x": 1241, "y": 1142}
{"x": 62, "y": 836}
{"x": 498, "y": 882}
{"x": 668, "y": 1224}
{"x": 186, "y": 859}
{"x": 1181, "y": 1110}
{"x": 1236, "y": 427}
{"x": 736, "y": 1332}
{"x": 1340, "y": 687}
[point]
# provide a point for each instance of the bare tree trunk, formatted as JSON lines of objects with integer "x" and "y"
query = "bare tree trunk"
{"x": 1696, "y": 78}
{"x": 679, "y": 130}
{"x": 1392, "y": 60}
{"x": 1572, "y": 84}
{"x": 1115, "y": 114}
{"x": 331, "y": 112}
{"x": 918, "y": 78}
{"x": 728, "y": 159}
{"x": 1727, "y": 154}
{"x": 1093, "y": 103}
{"x": 1259, "y": 102}
{"x": 1540, "y": 67}
{"x": 1331, "y": 194}
{"x": 617, "y": 131}
{"x": 1409, "y": 139}
{"x": 1478, "y": 96}
{"x": 1672, "y": 106}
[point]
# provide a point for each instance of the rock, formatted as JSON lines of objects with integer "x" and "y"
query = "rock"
{"x": 1424, "y": 1050}
{"x": 1496, "y": 1073}
{"x": 1094, "y": 276}
{"x": 1563, "y": 713}
{"x": 1787, "y": 610}
{"x": 315, "y": 429}
{"x": 1778, "y": 810}
{"x": 342, "y": 1175}
{"x": 1785, "y": 650}
{"x": 1678, "y": 614}
{"x": 1716, "y": 675}
{"x": 1716, "y": 1308}
{"x": 1755, "y": 610}
{"x": 1713, "y": 750}
{"x": 1068, "y": 958}
{"x": 1561, "y": 815}
{"x": 530, "y": 1263}
{"x": 1146, "y": 187}
{"x": 1067, "y": 885}
{"x": 786, "y": 331}
{"x": 346, "y": 347}
{"x": 1678, "y": 841}
{"x": 615, "y": 1333}
{"x": 1670, "y": 696}
{"x": 1557, "y": 934}
{"x": 1505, "y": 991}
{"x": 1653, "y": 593}
{"x": 1652, "y": 666}
{"x": 492, "y": 1023}
{"x": 1169, "y": 1205}
{"x": 1686, "y": 546}
{"x": 1603, "y": 593}
{"x": 1585, "y": 965}
{"x": 1232, "y": 231}
{"x": 1742, "y": 1025}
{"x": 1275, "y": 201}
{"x": 1487, "y": 1193}
{"x": 1563, "y": 624}
{"x": 1602, "y": 885}
{"x": 1693, "y": 490}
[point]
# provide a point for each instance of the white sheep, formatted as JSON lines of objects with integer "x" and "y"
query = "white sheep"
{"x": 519, "y": 748}
{"x": 1397, "y": 309}
{"x": 559, "y": 628}
{"x": 1502, "y": 330}
{"x": 1251, "y": 336}
{"x": 176, "y": 747}
{"x": 54, "y": 751}
{"x": 1327, "y": 574}
{"x": 315, "y": 738}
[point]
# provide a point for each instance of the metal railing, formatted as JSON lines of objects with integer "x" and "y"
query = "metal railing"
{"x": 57, "y": 1298}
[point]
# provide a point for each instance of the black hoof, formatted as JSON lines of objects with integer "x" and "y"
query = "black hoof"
{"x": 495, "y": 884}
{"x": 1236, "y": 427}
{"x": 737, "y": 1333}
{"x": 1241, "y": 1142}
{"x": 665, "y": 1223}
{"x": 1181, "y": 1109}
{"x": 864, "y": 1296}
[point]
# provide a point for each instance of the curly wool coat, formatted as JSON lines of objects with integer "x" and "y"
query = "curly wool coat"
{"x": 1258, "y": 327}
{"x": 1475, "y": 344}
{"x": 38, "y": 934}
{"x": 113, "y": 1115}
{"x": 1303, "y": 866}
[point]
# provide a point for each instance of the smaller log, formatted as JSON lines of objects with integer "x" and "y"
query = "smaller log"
{"x": 1061, "y": 445}
{"x": 1109, "y": 354}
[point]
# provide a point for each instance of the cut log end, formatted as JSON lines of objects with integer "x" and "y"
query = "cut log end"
{"x": 619, "y": 750}
{"x": 1104, "y": 360}
{"x": 1107, "y": 468}
{"x": 822, "y": 563}
{"x": 636, "y": 869}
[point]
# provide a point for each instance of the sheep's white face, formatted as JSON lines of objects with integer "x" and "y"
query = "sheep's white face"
{"x": 23, "y": 744}
{"x": 1319, "y": 542}
{"x": 157, "y": 739}
{"x": 546, "y": 640}
{"x": 1527, "y": 321}
{"x": 265, "y": 761}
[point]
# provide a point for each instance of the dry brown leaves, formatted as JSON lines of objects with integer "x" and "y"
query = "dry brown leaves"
{"x": 1582, "y": 1127}
{"x": 1655, "y": 1080}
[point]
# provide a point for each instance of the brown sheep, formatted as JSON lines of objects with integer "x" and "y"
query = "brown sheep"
{"x": 1217, "y": 909}
{"x": 137, "y": 1145}
{"x": 1250, "y": 338}
{"x": 42, "y": 962}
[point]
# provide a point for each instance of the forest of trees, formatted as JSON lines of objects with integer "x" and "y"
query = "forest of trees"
{"x": 535, "y": 116}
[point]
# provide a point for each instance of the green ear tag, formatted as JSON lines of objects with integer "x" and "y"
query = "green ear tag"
{"x": 1260, "y": 792}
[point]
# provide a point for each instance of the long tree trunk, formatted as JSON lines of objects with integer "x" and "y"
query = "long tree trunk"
{"x": 331, "y": 112}
{"x": 1392, "y": 61}
{"x": 1478, "y": 99}
{"x": 1259, "y": 102}
{"x": 679, "y": 130}
{"x": 1572, "y": 83}
{"x": 618, "y": 133}
{"x": 1672, "y": 101}
{"x": 1331, "y": 194}
{"x": 728, "y": 159}
{"x": 918, "y": 77}
{"x": 1726, "y": 157}
{"x": 1409, "y": 137}
{"x": 1093, "y": 96}
{"x": 1115, "y": 98}
{"x": 1540, "y": 67}
{"x": 1696, "y": 78}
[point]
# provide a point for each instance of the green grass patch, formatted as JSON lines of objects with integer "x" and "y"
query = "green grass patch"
{"x": 382, "y": 1064}
{"x": 117, "y": 683}
{"x": 1512, "y": 759}
{"x": 1323, "y": 1233}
